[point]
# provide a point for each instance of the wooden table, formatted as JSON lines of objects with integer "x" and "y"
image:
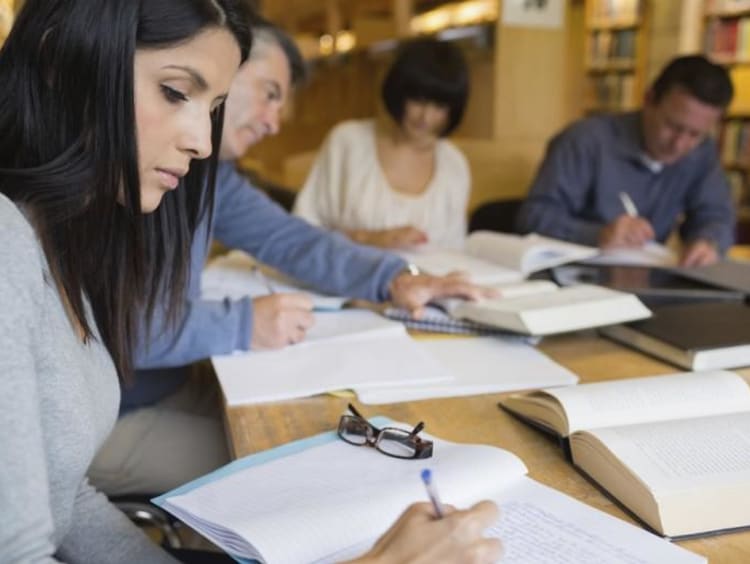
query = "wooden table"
{"x": 477, "y": 419}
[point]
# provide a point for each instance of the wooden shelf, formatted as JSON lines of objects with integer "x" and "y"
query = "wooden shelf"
{"x": 612, "y": 25}
{"x": 728, "y": 60}
{"x": 614, "y": 65}
{"x": 740, "y": 166}
{"x": 728, "y": 14}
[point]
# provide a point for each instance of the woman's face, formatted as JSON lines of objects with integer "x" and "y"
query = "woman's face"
{"x": 176, "y": 89}
{"x": 424, "y": 120}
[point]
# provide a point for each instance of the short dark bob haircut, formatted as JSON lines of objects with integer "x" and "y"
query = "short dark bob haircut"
{"x": 701, "y": 78}
{"x": 428, "y": 70}
{"x": 69, "y": 155}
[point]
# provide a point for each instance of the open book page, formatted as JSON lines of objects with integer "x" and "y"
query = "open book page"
{"x": 440, "y": 262}
{"x": 655, "y": 398}
{"x": 480, "y": 365}
{"x": 674, "y": 456}
{"x": 696, "y": 470}
{"x": 237, "y": 274}
{"x": 506, "y": 291}
{"x": 568, "y": 309}
{"x": 651, "y": 254}
{"x": 525, "y": 253}
{"x": 335, "y": 495}
{"x": 300, "y": 371}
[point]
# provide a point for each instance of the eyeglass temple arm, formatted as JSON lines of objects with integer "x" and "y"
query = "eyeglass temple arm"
{"x": 362, "y": 417}
{"x": 417, "y": 429}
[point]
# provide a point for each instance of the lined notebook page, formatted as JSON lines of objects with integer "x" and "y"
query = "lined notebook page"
{"x": 337, "y": 495}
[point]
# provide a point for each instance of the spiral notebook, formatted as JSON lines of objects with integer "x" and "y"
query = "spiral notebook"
{"x": 435, "y": 320}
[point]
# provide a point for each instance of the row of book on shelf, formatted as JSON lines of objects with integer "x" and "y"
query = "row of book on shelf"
{"x": 679, "y": 463}
{"x": 728, "y": 39}
{"x": 612, "y": 46}
{"x": 612, "y": 90}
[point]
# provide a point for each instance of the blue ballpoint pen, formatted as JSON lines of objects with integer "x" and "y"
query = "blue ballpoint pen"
{"x": 432, "y": 493}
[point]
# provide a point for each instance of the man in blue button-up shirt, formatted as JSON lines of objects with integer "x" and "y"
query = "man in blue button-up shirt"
{"x": 170, "y": 429}
{"x": 662, "y": 157}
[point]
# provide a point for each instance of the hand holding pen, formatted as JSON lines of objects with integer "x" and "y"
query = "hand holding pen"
{"x": 279, "y": 319}
{"x": 432, "y": 532}
{"x": 629, "y": 230}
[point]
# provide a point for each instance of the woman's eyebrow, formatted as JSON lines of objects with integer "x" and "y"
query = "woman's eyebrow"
{"x": 194, "y": 75}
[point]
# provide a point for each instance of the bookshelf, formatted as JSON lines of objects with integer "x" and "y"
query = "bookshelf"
{"x": 616, "y": 36}
{"x": 726, "y": 40}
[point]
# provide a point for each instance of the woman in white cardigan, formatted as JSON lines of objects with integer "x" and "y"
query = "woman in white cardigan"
{"x": 396, "y": 182}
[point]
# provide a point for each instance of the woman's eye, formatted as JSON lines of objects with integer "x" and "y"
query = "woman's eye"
{"x": 173, "y": 95}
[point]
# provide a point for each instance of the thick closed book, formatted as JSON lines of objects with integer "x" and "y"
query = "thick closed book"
{"x": 674, "y": 450}
{"x": 497, "y": 258}
{"x": 323, "y": 500}
{"x": 556, "y": 310}
{"x": 700, "y": 336}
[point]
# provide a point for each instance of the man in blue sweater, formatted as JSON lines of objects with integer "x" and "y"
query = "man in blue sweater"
{"x": 170, "y": 430}
{"x": 624, "y": 179}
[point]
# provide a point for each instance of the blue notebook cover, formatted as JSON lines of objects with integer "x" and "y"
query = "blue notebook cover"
{"x": 257, "y": 459}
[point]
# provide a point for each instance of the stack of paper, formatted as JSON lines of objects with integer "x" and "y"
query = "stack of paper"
{"x": 346, "y": 349}
{"x": 479, "y": 365}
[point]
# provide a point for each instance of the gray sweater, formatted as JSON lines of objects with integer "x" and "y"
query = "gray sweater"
{"x": 58, "y": 401}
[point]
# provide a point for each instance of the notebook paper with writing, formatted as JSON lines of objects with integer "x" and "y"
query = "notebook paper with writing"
{"x": 293, "y": 505}
{"x": 673, "y": 449}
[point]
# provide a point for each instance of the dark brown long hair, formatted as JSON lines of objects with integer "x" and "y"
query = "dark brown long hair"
{"x": 68, "y": 147}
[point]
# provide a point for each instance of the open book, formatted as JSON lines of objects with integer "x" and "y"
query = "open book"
{"x": 496, "y": 258}
{"x": 675, "y": 450}
{"x": 540, "y": 307}
{"x": 323, "y": 500}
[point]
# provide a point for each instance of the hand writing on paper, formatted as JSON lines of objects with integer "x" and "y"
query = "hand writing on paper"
{"x": 700, "y": 252}
{"x": 626, "y": 231}
{"x": 280, "y": 320}
{"x": 418, "y": 537}
{"x": 414, "y": 292}
{"x": 395, "y": 238}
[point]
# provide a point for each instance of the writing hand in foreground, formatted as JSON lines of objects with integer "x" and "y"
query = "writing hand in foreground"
{"x": 417, "y": 537}
{"x": 280, "y": 320}
{"x": 626, "y": 232}
{"x": 395, "y": 238}
{"x": 700, "y": 252}
{"x": 414, "y": 292}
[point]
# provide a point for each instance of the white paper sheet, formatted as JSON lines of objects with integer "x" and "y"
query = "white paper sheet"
{"x": 480, "y": 365}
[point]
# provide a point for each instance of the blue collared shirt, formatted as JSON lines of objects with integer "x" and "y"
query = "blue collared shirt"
{"x": 576, "y": 190}
{"x": 245, "y": 218}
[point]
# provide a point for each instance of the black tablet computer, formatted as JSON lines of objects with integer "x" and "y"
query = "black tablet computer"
{"x": 653, "y": 285}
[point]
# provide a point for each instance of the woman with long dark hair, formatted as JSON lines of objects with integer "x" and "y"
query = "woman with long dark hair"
{"x": 110, "y": 121}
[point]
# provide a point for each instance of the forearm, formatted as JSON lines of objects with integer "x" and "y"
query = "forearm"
{"x": 553, "y": 220}
{"x": 206, "y": 328}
